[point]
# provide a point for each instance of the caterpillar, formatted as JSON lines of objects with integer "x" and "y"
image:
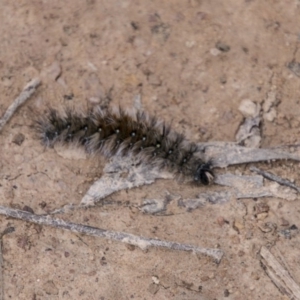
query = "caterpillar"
{"x": 113, "y": 132}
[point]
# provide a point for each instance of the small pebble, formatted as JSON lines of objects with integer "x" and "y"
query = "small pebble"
{"x": 18, "y": 139}
{"x": 221, "y": 221}
{"x": 255, "y": 275}
{"x": 294, "y": 67}
{"x": 249, "y": 235}
{"x": 238, "y": 225}
{"x": 214, "y": 51}
{"x": 130, "y": 247}
{"x": 222, "y": 47}
{"x": 190, "y": 44}
{"x": 262, "y": 216}
{"x": 248, "y": 108}
{"x": 53, "y": 71}
{"x": 155, "y": 279}
{"x": 286, "y": 234}
{"x": 261, "y": 208}
{"x": 153, "y": 288}
{"x": 28, "y": 209}
{"x": 204, "y": 278}
{"x": 50, "y": 288}
{"x": 284, "y": 222}
{"x": 223, "y": 79}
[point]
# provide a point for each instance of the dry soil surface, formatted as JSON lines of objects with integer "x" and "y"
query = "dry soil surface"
{"x": 188, "y": 62}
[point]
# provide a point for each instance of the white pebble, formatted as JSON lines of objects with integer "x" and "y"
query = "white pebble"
{"x": 215, "y": 51}
{"x": 248, "y": 108}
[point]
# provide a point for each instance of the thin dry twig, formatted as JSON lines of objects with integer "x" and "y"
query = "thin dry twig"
{"x": 275, "y": 178}
{"x": 28, "y": 90}
{"x": 127, "y": 238}
{"x": 279, "y": 275}
{"x": 224, "y": 154}
{"x": 6, "y": 231}
{"x": 1, "y": 274}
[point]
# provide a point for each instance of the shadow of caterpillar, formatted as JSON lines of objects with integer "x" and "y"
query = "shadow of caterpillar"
{"x": 113, "y": 132}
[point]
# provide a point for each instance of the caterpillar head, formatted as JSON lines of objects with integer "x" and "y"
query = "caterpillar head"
{"x": 204, "y": 174}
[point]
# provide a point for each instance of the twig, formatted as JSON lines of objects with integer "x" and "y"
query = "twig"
{"x": 7, "y": 230}
{"x": 221, "y": 155}
{"x": 1, "y": 273}
{"x": 28, "y": 90}
{"x": 127, "y": 238}
{"x": 279, "y": 275}
{"x": 227, "y": 154}
{"x": 275, "y": 178}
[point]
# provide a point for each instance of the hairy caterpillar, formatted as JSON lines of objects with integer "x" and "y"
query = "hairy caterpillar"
{"x": 117, "y": 132}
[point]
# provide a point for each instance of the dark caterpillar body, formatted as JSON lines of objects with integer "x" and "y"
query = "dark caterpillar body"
{"x": 117, "y": 132}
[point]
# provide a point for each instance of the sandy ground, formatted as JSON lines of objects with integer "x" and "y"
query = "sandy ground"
{"x": 191, "y": 63}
